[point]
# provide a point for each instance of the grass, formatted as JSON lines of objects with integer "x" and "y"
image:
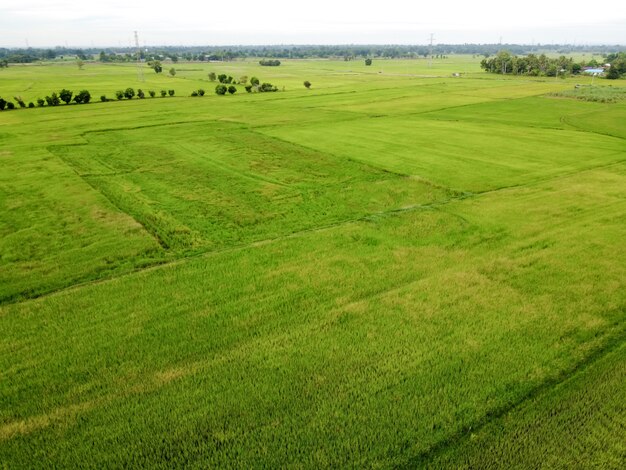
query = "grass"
{"x": 601, "y": 94}
{"x": 395, "y": 269}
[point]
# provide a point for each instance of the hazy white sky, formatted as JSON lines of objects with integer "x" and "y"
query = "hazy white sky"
{"x": 44, "y": 23}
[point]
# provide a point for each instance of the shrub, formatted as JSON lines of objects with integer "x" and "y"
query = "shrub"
{"x": 41, "y": 102}
{"x": 221, "y": 89}
{"x": 172, "y": 71}
{"x": 104, "y": 98}
{"x": 270, "y": 62}
{"x": 265, "y": 87}
{"x": 129, "y": 93}
{"x": 31, "y": 105}
{"x": 65, "y": 95}
{"x": 119, "y": 94}
{"x": 200, "y": 92}
{"x": 232, "y": 89}
{"x": 3, "y": 104}
{"x": 194, "y": 93}
{"x": 170, "y": 92}
{"x": 152, "y": 93}
{"x": 368, "y": 61}
{"x": 307, "y": 84}
{"x": 83, "y": 97}
{"x": 248, "y": 88}
{"x": 243, "y": 79}
{"x": 10, "y": 105}
{"x": 20, "y": 101}
{"x": 163, "y": 93}
{"x": 53, "y": 100}
{"x": 140, "y": 94}
{"x": 254, "y": 81}
{"x": 212, "y": 76}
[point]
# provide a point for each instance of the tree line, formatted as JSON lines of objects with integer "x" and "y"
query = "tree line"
{"x": 504, "y": 62}
{"x": 82, "y": 97}
{"x": 227, "y": 53}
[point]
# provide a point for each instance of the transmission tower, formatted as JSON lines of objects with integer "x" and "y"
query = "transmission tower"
{"x": 430, "y": 53}
{"x": 139, "y": 65}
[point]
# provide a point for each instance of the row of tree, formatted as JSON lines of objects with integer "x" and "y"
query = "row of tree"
{"x": 227, "y": 53}
{"x": 82, "y": 97}
{"x": 269, "y": 62}
{"x": 506, "y": 63}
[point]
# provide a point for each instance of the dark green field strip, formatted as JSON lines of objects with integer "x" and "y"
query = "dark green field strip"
{"x": 58, "y": 233}
{"x": 224, "y": 185}
{"x": 579, "y": 423}
{"x": 366, "y": 345}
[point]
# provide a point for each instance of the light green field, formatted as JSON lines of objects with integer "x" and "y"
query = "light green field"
{"x": 396, "y": 268}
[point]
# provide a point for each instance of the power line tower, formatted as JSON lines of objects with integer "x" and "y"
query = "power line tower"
{"x": 139, "y": 66}
{"x": 430, "y": 53}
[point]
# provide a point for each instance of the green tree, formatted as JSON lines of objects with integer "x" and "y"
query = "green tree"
{"x": 83, "y": 97}
{"x": 163, "y": 93}
{"x": 254, "y": 81}
{"x": 3, "y": 104}
{"x": 212, "y": 76}
{"x": 41, "y": 102}
{"x": 152, "y": 93}
{"x": 129, "y": 93}
{"x": 119, "y": 94}
{"x": 368, "y": 61}
{"x": 65, "y": 95}
{"x": 173, "y": 72}
{"x": 307, "y": 84}
{"x": 221, "y": 89}
{"x": 140, "y": 94}
{"x": 232, "y": 89}
{"x": 170, "y": 92}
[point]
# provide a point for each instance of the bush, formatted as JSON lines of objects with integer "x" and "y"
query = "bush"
{"x": 212, "y": 76}
{"x": 254, "y": 81}
{"x": 65, "y": 95}
{"x": 104, "y": 98}
{"x": 265, "y": 87}
{"x": 200, "y": 92}
{"x": 221, "y": 89}
{"x": 129, "y": 93}
{"x": 140, "y": 94}
{"x": 248, "y": 88}
{"x": 307, "y": 84}
{"x": 119, "y": 94}
{"x": 243, "y": 79}
{"x": 232, "y": 89}
{"x": 10, "y": 105}
{"x": 3, "y": 104}
{"x": 163, "y": 93}
{"x": 152, "y": 93}
{"x": 20, "y": 101}
{"x": 368, "y": 61}
{"x": 270, "y": 62}
{"x": 83, "y": 97}
{"x": 172, "y": 71}
{"x": 31, "y": 105}
{"x": 194, "y": 93}
{"x": 53, "y": 100}
{"x": 170, "y": 92}
{"x": 41, "y": 102}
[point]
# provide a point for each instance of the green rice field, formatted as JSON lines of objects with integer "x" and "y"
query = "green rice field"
{"x": 397, "y": 268}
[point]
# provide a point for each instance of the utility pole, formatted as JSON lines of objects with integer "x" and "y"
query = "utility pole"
{"x": 139, "y": 66}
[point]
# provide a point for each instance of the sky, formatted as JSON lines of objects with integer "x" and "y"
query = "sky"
{"x": 86, "y": 23}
